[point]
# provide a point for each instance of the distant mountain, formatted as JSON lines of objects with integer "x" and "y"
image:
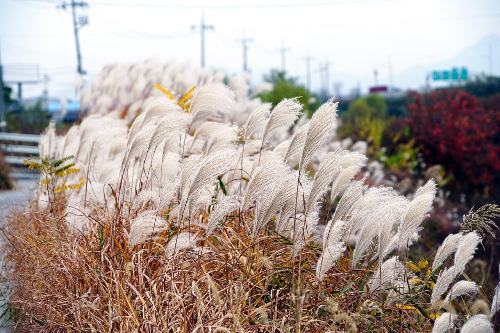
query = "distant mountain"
{"x": 474, "y": 57}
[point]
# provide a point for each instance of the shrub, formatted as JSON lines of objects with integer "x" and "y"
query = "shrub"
{"x": 459, "y": 132}
{"x": 5, "y": 180}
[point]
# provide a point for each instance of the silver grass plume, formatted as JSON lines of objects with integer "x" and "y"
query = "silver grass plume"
{"x": 415, "y": 213}
{"x": 282, "y": 148}
{"x": 444, "y": 323}
{"x": 211, "y": 166}
{"x": 387, "y": 273}
{"x": 158, "y": 109}
{"x": 303, "y": 231}
{"x": 353, "y": 193}
{"x": 448, "y": 247}
{"x": 256, "y": 118}
{"x": 225, "y": 137}
{"x": 225, "y": 206}
{"x": 372, "y": 199}
{"x": 205, "y": 130}
{"x": 478, "y": 324}
{"x": 144, "y": 196}
{"x": 173, "y": 143}
{"x": 182, "y": 241}
{"x": 135, "y": 127}
{"x": 284, "y": 114}
{"x": 328, "y": 170}
{"x": 466, "y": 249}
{"x": 211, "y": 100}
{"x": 262, "y": 177}
{"x": 270, "y": 202}
{"x": 290, "y": 206}
{"x": 144, "y": 226}
{"x": 140, "y": 143}
{"x": 386, "y": 233}
{"x": 495, "y": 303}
{"x": 296, "y": 145}
{"x": 350, "y": 165}
{"x": 465, "y": 252}
{"x": 174, "y": 122}
{"x": 319, "y": 126}
{"x": 189, "y": 167}
{"x": 468, "y": 288}
{"x": 333, "y": 247}
{"x": 167, "y": 192}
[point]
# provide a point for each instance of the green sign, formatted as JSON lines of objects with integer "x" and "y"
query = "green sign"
{"x": 455, "y": 74}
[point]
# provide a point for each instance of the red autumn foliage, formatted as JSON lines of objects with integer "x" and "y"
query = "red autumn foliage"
{"x": 461, "y": 133}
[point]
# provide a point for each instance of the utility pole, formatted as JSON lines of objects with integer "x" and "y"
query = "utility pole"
{"x": 3, "y": 123}
{"x": 46, "y": 79}
{"x": 203, "y": 27}
{"x": 283, "y": 50}
{"x": 308, "y": 59}
{"x": 390, "y": 75}
{"x": 77, "y": 24}
{"x": 244, "y": 44}
{"x": 324, "y": 70}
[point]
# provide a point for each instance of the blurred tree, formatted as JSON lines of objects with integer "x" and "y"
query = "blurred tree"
{"x": 378, "y": 103}
{"x": 483, "y": 86}
{"x": 28, "y": 121}
{"x": 288, "y": 87}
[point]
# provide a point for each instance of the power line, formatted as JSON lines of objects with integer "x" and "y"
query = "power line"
{"x": 240, "y": 6}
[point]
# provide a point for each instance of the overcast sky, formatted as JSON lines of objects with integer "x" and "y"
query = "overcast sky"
{"x": 356, "y": 36}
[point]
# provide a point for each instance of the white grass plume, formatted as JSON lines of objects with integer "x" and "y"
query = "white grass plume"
{"x": 205, "y": 130}
{"x": 350, "y": 165}
{"x": 461, "y": 288}
{"x": 262, "y": 177}
{"x": 466, "y": 249}
{"x": 226, "y": 206}
{"x": 256, "y": 119}
{"x": 448, "y": 247}
{"x": 387, "y": 273}
{"x": 327, "y": 171}
{"x": 144, "y": 226}
{"x": 465, "y": 252}
{"x": 211, "y": 166}
{"x": 444, "y": 323}
{"x": 333, "y": 247}
{"x": 415, "y": 213}
{"x": 353, "y": 193}
{"x": 478, "y": 324}
{"x": 270, "y": 202}
{"x": 319, "y": 126}
{"x": 211, "y": 100}
{"x": 495, "y": 303}
{"x": 182, "y": 241}
{"x": 225, "y": 137}
{"x": 158, "y": 109}
{"x": 145, "y": 196}
{"x": 174, "y": 122}
{"x": 135, "y": 127}
{"x": 283, "y": 115}
{"x": 296, "y": 145}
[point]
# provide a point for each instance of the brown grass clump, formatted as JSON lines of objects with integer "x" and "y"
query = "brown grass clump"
{"x": 63, "y": 281}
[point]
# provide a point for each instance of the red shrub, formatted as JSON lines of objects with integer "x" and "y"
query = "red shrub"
{"x": 459, "y": 132}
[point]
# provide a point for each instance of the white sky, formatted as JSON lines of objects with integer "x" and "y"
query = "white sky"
{"x": 357, "y": 36}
